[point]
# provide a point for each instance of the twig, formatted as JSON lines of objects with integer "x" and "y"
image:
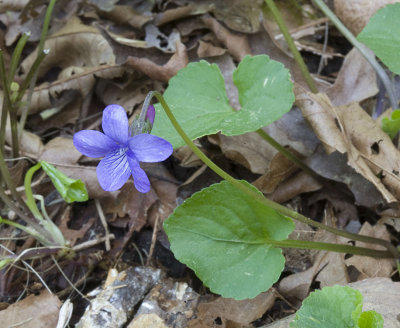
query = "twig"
{"x": 153, "y": 239}
{"x": 104, "y": 223}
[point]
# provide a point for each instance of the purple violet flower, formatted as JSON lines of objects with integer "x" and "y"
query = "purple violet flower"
{"x": 122, "y": 152}
{"x": 151, "y": 114}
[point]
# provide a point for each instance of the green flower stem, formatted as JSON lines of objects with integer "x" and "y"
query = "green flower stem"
{"x": 30, "y": 200}
{"x": 362, "y": 49}
{"x": 290, "y": 156}
{"x": 6, "y": 101}
{"x": 281, "y": 209}
{"x": 292, "y": 47}
{"x": 32, "y": 224}
{"x": 29, "y": 230}
{"x": 338, "y": 248}
{"x": 30, "y": 75}
{"x": 5, "y": 173}
{"x": 43, "y": 36}
{"x": 10, "y": 110}
{"x": 17, "y": 55}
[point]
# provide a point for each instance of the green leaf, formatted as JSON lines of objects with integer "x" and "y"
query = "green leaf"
{"x": 370, "y": 319}
{"x": 392, "y": 125}
{"x": 331, "y": 307}
{"x": 197, "y": 98}
{"x": 71, "y": 190}
{"x": 222, "y": 234}
{"x": 382, "y": 36}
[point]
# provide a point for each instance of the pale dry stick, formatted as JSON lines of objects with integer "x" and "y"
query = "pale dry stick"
{"x": 139, "y": 253}
{"x": 104, "y": 223}
{"x": 65, "y": 314}
{"x": 79, "y": 282}
{"x": 153, "y": 239}
{"x": 322, "y": 59}
{"x": 28, "y": 266}
{"x": 92, "y": 242}
{"x": 67, "y": 279}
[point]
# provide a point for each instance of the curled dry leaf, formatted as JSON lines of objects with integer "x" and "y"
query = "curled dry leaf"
{"x": 126, "y": 15}
{"x": 180, "y": 12}
{"x": 293, "y": 186}
{"x": 355, "y": 14}
{"x": 160, "y": 73}
{"x": 238, "y": 15}
{"x": 75, "y": 44}
{"x": 249, "y": 150}
{"x": 206, "y": 49}
{"x": 349, "y": 129}
{"x": 237, "y": 44}
{"x": 356, "y": 80}
{"x": 370, "y": 267}
{"x": 233, "y": 313}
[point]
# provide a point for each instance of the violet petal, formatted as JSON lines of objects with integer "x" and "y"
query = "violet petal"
{"x": 149, "y": 148}
{"x": 93, "y": 143}
{"x": 115, "y": 123}
{"x": 113, "y": 170}
{"x": 140, "y": 178}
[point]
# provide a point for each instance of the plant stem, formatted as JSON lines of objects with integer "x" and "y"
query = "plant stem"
{"x": 30, "y": 75}
{"x": 292, "y": 47}
{"x": 36, "y": 226}
{"x": 30, "y": 201}
{"x": 5, "y": 173}
{"x": 43, "y": 37}
{"x": 17, "y": 55}
{"x": 339, "y": 248}
{"x": 6, "y": 101}
{"x": 29, "y": 230}
{"x": 279, "y": 208}
{"x": 362, "y": 49}
{"x": 288, "y": 154}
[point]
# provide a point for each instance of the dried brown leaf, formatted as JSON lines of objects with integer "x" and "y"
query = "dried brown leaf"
{"x": 175, "y": 14}
{"x": 350, "y": 130}
{"x": 238, "y": 15}
{"x": 295, "y": 185}
{"x": 60, "y": 150}
{"x": 157, "y": 72}
{"x": 328, "y": 267}
{"x": 370, "y": 267}
{"x": 237, "y": 44}
{"x": 206, "y": 49}
{"x": 75, "y": 44}
{"x": 232, "y": 312}
{"x": 33, "y": 311}
{"x": 356, "y": 81}
{"x": 249, "y": 150}
{"x": 81, "y": 79}
{"x": 126, "y": 15}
